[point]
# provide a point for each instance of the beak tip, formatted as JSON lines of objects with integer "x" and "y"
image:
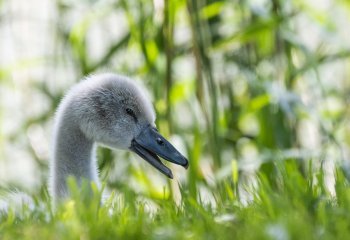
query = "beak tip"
{"x": 186, "y": 165}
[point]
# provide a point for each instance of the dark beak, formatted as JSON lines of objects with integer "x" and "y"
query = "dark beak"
{"x": 149, "y": 144}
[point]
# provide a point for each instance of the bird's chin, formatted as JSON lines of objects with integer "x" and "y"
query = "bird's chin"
{"x": 114, "y": 146}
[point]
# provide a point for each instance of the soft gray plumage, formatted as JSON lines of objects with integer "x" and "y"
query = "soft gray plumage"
{"x": 110, "y": 110}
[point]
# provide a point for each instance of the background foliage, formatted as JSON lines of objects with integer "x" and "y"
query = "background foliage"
{"x": 254, "y": 92}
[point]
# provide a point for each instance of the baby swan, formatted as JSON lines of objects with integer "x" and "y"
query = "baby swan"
{"x": 112, "y": 111}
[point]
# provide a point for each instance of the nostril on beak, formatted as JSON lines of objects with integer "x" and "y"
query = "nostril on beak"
{"x": 160, "y": 141}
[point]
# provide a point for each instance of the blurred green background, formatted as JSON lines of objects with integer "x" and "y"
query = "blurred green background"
{"x": 238, "y": 85}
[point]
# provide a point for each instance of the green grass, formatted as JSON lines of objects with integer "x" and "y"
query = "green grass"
{"x": 296, "y": 206}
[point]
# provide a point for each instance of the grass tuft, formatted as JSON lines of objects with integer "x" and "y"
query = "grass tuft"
{"x": 295, "y": 206}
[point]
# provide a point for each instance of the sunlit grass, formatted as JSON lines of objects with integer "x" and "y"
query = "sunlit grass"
{"x": 297, "y": 206}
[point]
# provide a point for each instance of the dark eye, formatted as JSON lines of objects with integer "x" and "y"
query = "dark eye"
{"x": 129, "y": 111}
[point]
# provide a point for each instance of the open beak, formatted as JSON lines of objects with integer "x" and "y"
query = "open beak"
{"x": 149, "y": 144}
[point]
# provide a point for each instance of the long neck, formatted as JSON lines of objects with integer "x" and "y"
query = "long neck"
{"x": 74, "y": 155}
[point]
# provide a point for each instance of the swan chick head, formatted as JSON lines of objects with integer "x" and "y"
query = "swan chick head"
{"x": 115, "y": 112}
{"x": 111, "y": 109}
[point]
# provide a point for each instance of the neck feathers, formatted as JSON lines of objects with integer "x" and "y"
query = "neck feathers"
{"x": 73, "y": 155}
